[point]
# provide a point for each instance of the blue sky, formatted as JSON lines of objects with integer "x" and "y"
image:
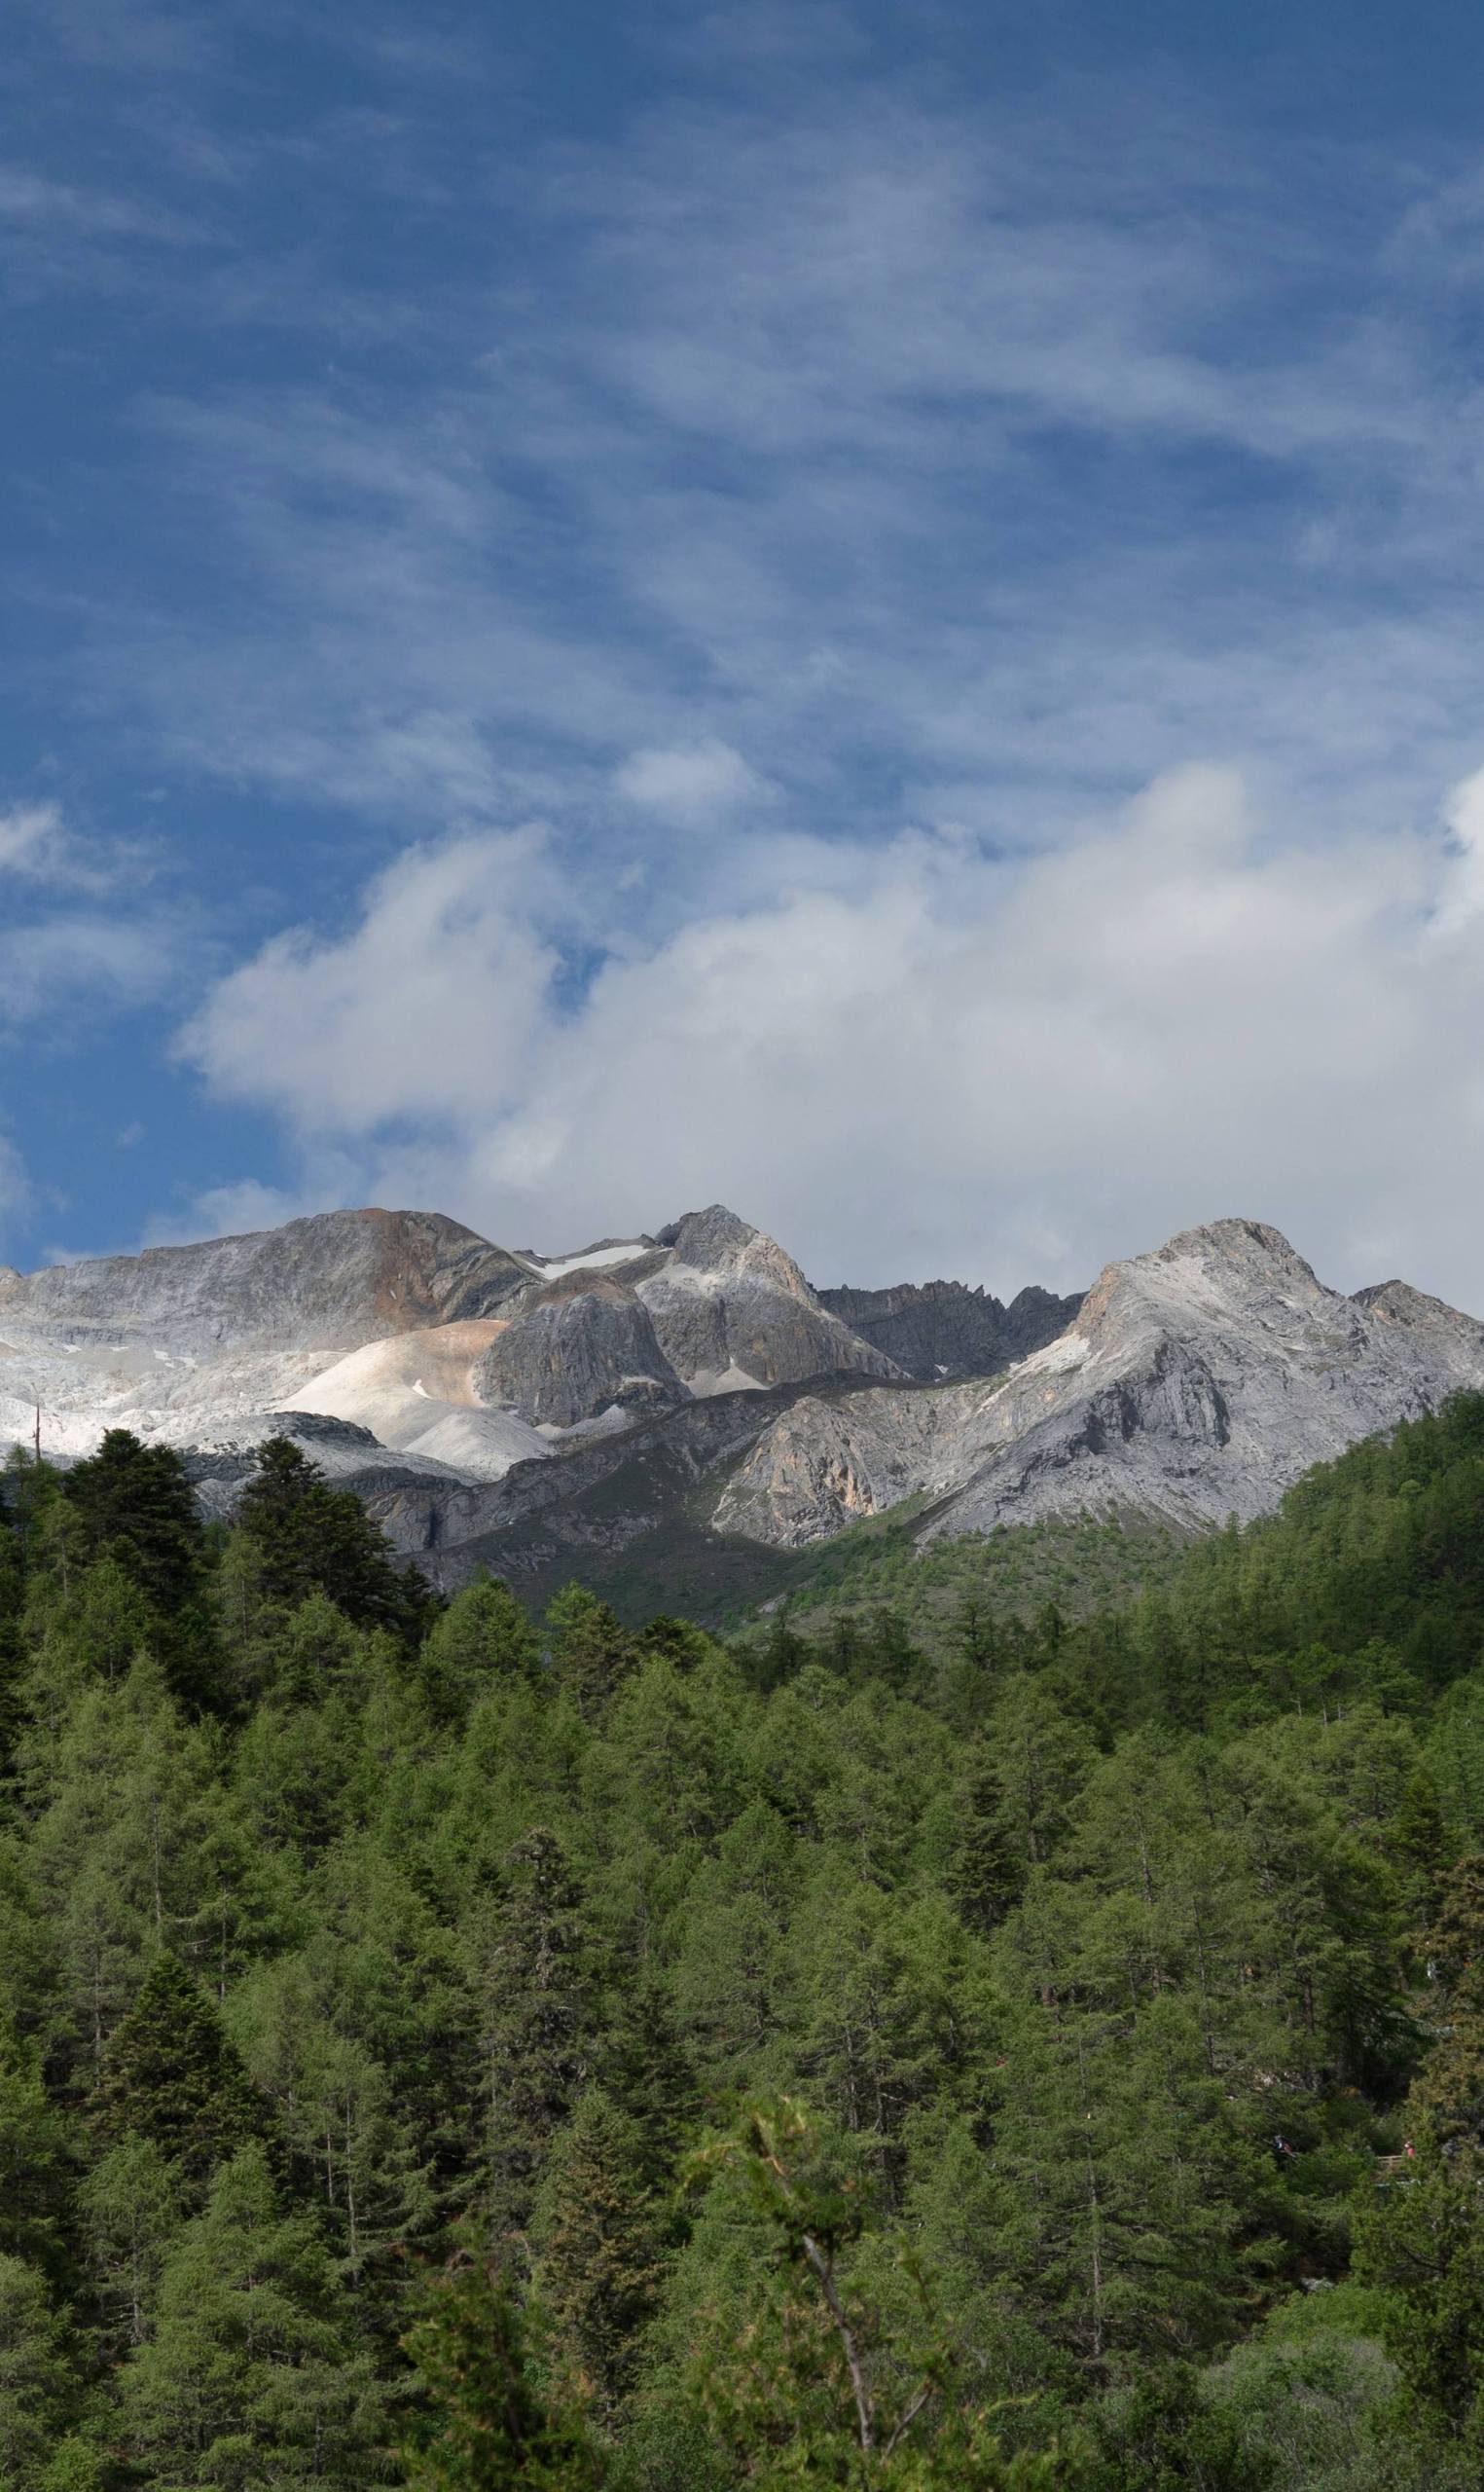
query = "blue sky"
{"x": 872, "y": 611}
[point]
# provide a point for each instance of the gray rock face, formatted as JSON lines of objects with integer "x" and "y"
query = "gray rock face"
{"x": 730, "y": 1303}
{"x": 336, "y": 1280}
{"x": 1196, "y": 1381}
{"x": 946, "y": 1329}
{"x": 579, "y": 1350}
{"x": 712, "y": 1305}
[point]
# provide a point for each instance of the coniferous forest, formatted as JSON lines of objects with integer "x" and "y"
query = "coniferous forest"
{"x": 446, "y": 2048}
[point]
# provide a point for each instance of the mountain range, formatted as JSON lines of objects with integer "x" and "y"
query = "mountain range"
{"x": 552, "y": 1414}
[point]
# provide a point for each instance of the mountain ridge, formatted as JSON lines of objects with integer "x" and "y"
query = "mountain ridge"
{"x": 692, "y": 1374}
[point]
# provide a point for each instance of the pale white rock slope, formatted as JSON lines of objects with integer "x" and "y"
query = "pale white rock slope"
{"x": 1195, "y": 1382}
{"x": 446, "y": 1349}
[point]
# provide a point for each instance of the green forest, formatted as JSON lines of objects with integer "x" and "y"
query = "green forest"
{"x": 1020, "y": 2025}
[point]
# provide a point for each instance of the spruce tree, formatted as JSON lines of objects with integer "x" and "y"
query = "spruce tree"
{"x": 487, "y": 2425}
{"x": 599, "y": 2264}
{"x": 134, "y": 1501}
{"x": 171, "y": 2074}
{"x": 309, "y": 1538}
{"x": 533, "y": 1991}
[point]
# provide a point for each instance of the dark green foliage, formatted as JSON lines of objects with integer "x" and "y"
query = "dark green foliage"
{"x": 132, "y": 1505}
{"x": 483, "y": 1636}
{"x": 598, "y": 2229}
{"x": 251, "y": 2372}
{"x": 591, "y": 1652}
{"x": 531, "y": 1981}
{"x": 309, "y": 1538}
{"x": 488, "y": 2425}
{"x": 169, "y": 2074}
{"x": 135, "y": 1503}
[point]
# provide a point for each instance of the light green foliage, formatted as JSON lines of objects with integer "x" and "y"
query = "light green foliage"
{"x": 130, "y": 2206}
{"x": 251, "y": 2373}
{"x": 1089, "y": 1958}
{"x": 36, "y": 2383}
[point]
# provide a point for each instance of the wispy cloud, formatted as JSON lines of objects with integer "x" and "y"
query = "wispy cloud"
{"x": 37, "y": 845}
{"x": 865, "y": 440}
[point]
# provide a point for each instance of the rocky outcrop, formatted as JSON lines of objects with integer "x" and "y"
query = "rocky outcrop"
{"x": 946, "y": 1329}
{"x": 578, "y": 1351}
{"x": 824, "y": 1464}
{"x": 1196, "y": 1382}
{"x": 709, "y": 1306}
{"x": 730, "y": 1306}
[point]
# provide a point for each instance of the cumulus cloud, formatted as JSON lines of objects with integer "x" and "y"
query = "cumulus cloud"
{"x": 425, "y": 1009}
{"x": 943, "y": 1062}
{"x": 694, "y": 786}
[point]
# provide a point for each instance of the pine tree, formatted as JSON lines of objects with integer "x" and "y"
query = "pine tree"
{"x": 37, "y": 2387}
{"x": 488, "y": 2426}
{"x": 592, "y": 1655}
{"x": 1449, "y": 2088}
{"x": 599, "y": 2264}
{"x": 533, "y": 1986}
{"x": 484, "y": 1634}
{"x": 131, "y": 2203}
{"x": 648, "y": 2074}
{"x": 311, "y": 1538}
{"x": 171, "y": 2074}
{"x": 37, "y": 2144}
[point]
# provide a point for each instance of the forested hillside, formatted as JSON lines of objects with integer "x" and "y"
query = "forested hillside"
{"x": 444, "y": 2047}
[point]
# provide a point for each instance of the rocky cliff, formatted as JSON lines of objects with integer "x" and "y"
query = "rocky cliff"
{"x": 946, "y": 1329}
{"x": 333, "y": 1281}
{"x": 1195, "y": 1382}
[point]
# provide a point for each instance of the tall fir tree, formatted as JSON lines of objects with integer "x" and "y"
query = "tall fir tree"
{"x": 172, "y": 2075}
{"x": 308, "y": 1537}
{"x": 598, "y": 2231}
{"x": 531, "y": 1978}
{"x": 487, "y": 2422}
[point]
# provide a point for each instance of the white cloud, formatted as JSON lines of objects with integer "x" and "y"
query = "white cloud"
{"x": 81, "y": 963}
{"x": 1463, "y": 899}
{"x": 15, "y": 1196}
{"x": 1004, "y": 1070}
{"x": 425, "y": 1009}
{"x": 695, "y": 785}
{"x": 38, "y": 845}
{"x": 32, "y": 841}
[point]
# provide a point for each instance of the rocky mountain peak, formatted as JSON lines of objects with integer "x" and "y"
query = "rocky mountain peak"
{"x": 332, "y": 1279}
{"x": 1198, "y": 1275}
{"x": 1247, "y": 1246}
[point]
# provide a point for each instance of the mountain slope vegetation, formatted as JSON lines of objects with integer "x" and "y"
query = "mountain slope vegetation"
{"x": 949, "y": 2040}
